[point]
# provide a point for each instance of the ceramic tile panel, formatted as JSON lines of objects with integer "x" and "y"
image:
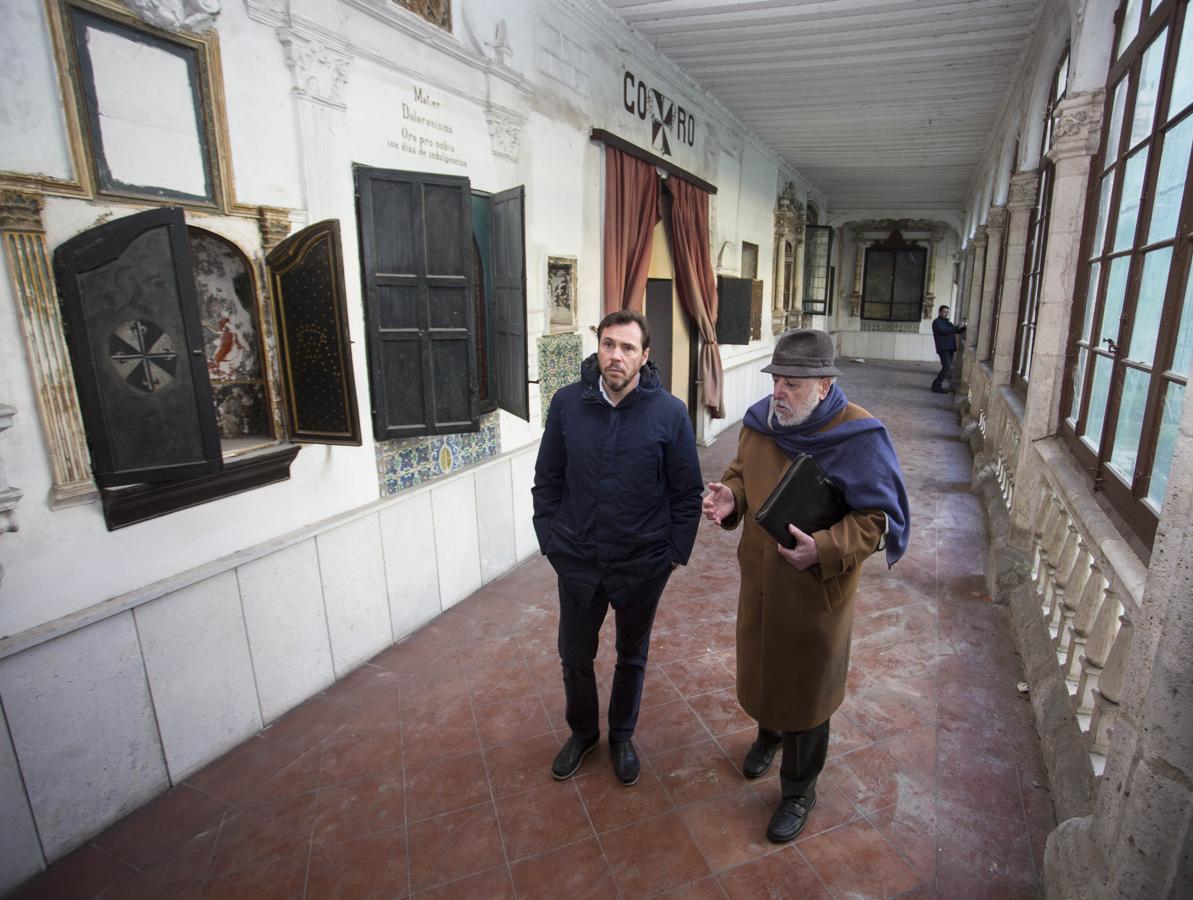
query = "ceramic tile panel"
{"x": 20, "y": 852}
{"x": 82, "y": 726}
{"x": 411, "y": 567}
{"x": 560, "y": 356}
{"x": 353, "y": 573}
{"x": 197, "y": 658}
{"x": 283, "y": 609}
{"x": 409, "y": 462}
{"x": 495, "y": 519}
{"x": 454, "y": 506}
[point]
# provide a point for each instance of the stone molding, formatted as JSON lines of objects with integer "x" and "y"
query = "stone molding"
{"x": 1023, "y": 190}
{"x": 320, "y": 70}
{"x": 789, "y": 216}
{"x": 903, "y": 225}
{"x": 505, "y": 130}
{"x": 979, "y": 236}
{"x": 24, "y": 239}
{"x": 192, "y": 16}
{"x": 996, "y": 219}
{"x": 1077, "y": 125}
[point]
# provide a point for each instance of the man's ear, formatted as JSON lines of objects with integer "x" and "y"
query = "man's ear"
{"x": 645, "y": 355}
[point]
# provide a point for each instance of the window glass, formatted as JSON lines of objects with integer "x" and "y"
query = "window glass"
{"x": 1184, "y": 337}
{"x": 1170, "y": 184}
{"x": 1149, "y": 89}
{"x": 1116, "y": 121}
{"x": 1170, "y": 418}
{"x": 1099, "y": 387}
{"x": 1130, "y": 25}
{"x": 1112, "y": 310}
{"x": 1149, "y": 305}
{"x": 1128, "y": 206}
{"x": 1103, "y": 209}
{"x": 1130, "y": 423}
{"x": 1091, "y": 299}
{"x": 1078, "y": 384}
{"x": 1182, "y": 82}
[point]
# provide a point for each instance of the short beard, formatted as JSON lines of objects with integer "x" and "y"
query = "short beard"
{"x": 615, "y": 387}
{"x": 796, "y": 416}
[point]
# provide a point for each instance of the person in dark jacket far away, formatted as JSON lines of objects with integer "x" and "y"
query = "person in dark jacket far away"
{"x": 943, "y": 332}
{"x": 795, "y": 609}
{"x": 616, "y": 506}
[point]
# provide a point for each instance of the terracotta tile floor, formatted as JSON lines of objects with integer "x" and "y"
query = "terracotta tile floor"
{"x": 426, "y": 772}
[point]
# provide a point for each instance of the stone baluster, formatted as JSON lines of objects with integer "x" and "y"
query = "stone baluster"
{"x": 1069, "y": 591}
{"x": 1054, "y": 546}
{"x": 1044, "y": 522}
{"x": 1109, "y": 690}
{"x": 1060, "y": 574}
{"x": 1097, "y": 648}
{"x": 1075, "y": 637}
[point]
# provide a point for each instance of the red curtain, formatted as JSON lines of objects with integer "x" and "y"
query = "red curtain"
{"x": 631, "y": 213}
{"x": 695, "y": 282}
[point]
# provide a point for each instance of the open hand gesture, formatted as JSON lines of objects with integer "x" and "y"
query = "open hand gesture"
{"x": 719, "y": 503}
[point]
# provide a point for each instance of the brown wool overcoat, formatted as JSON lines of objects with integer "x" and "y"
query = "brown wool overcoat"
{"x": 793, "y": 627}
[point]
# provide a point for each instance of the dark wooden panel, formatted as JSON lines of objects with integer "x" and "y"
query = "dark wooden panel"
{"x": 306, "y": 275}
{"x": 509, "y": 294}
{"x": 734, "y": 299}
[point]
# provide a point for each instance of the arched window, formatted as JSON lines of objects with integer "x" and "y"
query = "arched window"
{"x": 1132, "y": 337}
{"x": 1037, "y": 239}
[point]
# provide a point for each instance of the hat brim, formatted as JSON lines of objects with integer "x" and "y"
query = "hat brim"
{"x": 802, "y": 371}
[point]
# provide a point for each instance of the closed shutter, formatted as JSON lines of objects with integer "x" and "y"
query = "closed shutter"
{"x": 136, "y": 343}
{"x": 306, "y": 277}
{"x": 417, "y": 268}
{"x": 509, "y": 289}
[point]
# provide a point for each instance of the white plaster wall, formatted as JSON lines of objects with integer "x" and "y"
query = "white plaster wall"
{"x": 411, "y": 567}
{"x": 20, "y": 852}
{"x": 352, "y": 570}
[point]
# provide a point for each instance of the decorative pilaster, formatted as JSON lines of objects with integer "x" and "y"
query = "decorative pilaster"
{"x": 977, "y": 281}
{"x": 996, "y": 223}
{"x": 24, "y": 239}
{"x": 274, "y": 225}
{"x": 320, "y": 71}
{"x": 935, "y": 236}
{"x": 788, "y": 222}
{"x": 505, "y": 130}
{"x": 859, "y": 265}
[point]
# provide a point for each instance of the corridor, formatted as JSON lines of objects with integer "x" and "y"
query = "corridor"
{"x": 426, "y": 772}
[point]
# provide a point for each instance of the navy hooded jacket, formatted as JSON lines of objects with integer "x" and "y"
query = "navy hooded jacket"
{"x": 616, "y": 488}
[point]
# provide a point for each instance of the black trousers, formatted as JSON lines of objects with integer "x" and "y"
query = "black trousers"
{"x": 579, "y": 632}
{"x": 804, "y": 753}
{"x": 946, "y": 368}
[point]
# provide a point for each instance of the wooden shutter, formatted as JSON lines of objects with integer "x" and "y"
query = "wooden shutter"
{"x": 734, "y": 298}
{"x": 306, "y": 278}
{"x": 132, "y": 322}
{"x": 509, "y": 292}
{"x": 416, "y": 249}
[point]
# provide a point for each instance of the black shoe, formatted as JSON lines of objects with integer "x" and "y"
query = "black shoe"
{"x": 938, "y": 390}
{"x": 759, "y": 758}
{"x": 625, "y": 762}
{"x": 789, "y": 819}
{"x": 568, "y": 760}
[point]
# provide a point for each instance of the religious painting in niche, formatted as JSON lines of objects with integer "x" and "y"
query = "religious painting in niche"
{"x": 230, "y": 320}
{"x": 141, "y": 90}
{"x": 437, "y": 12}
{"x": 561, "y": 288}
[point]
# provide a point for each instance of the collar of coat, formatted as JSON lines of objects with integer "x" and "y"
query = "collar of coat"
{"x": 648, "y": 383}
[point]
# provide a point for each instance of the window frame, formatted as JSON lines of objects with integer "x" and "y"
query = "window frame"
{"x": 1027, "y": 317}
{"x": 817, "y": 305}
{"x": 894, "y": 245}
{"x": 1129, "y": 499}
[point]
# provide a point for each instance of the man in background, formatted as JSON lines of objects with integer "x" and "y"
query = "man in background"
{"x": 943, "y": 333}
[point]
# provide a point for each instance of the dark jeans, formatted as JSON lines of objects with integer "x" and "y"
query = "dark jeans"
{"x": 579, "y": 630}
{"x": 804, "y": 753}
{"x": 946, "y": 368}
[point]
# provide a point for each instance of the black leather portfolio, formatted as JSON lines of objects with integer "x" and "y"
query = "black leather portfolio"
{"x": 806, "y": 497}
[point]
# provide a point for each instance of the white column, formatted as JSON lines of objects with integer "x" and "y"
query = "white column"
{"x": 1020, "y": 203}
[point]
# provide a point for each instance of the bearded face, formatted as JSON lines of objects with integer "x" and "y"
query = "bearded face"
{"x": 793, "y": 400}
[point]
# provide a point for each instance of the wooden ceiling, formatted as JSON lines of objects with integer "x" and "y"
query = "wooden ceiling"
{"x": 881, "y": 104}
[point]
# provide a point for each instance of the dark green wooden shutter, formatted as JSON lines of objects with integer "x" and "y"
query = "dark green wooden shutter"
{"x": 509, "y": 289}
{"x": 306, "y": 277}
{"x": 136, "y": 343}
{"x": 416, "y": 254}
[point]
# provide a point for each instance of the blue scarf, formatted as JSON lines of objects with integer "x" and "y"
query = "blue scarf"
{"x": 858, "y": 455}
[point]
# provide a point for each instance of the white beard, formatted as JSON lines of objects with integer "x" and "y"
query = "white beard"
{"x": 797, "y": 416}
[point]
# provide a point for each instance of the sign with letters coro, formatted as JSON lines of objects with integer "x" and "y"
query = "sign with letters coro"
{"x": 670, "y": 123}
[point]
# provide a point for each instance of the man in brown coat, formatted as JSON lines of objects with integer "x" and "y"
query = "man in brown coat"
{"x": 795, "y": 609}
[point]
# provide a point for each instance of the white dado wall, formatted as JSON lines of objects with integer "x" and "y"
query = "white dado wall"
{"x": 106, "y": 716}
{"x": 884, "y": 345}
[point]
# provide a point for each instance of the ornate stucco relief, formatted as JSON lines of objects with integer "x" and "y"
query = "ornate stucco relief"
{"x": 177, "y": 15}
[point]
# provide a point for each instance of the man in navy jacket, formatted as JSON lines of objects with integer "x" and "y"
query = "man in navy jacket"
{"x": 616, "y": 495}
{"x": 943, "y": 332}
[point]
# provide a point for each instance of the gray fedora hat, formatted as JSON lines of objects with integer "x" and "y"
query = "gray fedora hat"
{"x": 803, "y": 353}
